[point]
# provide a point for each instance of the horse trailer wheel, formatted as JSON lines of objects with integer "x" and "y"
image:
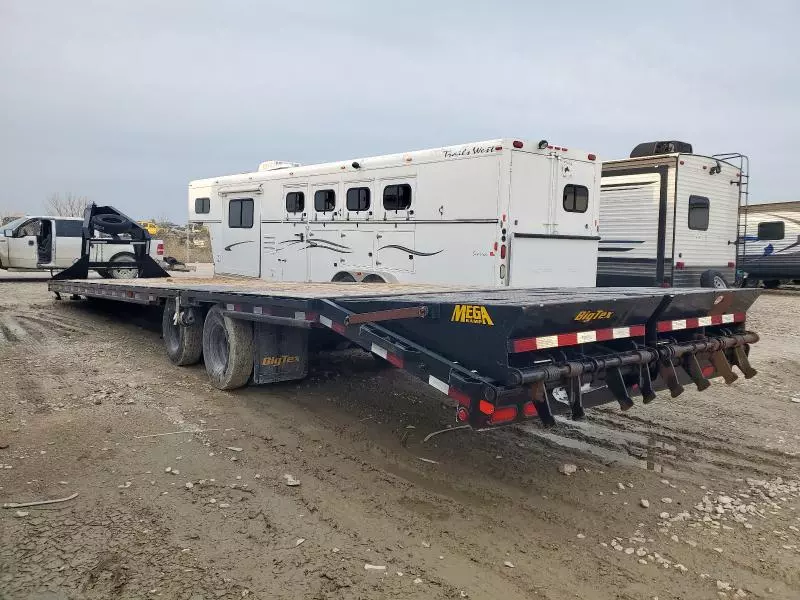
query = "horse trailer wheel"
{"x": 713, "y": 279}
{"x": 184, "y": 344}
{"x": 227, "y": 350}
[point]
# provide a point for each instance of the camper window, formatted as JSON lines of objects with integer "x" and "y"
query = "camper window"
{"x": 295, "y": 202}
{"x": 698, "y": 213}
{"x": 576, "y": 198}
{"x": 771, "y": 230}
{"x": 397, "y": 197}
{"x": 240, "y": 213}
{"x": 358, "y": 199}
{"x": 202, "y": 206}
{"x": 324, "y": 200}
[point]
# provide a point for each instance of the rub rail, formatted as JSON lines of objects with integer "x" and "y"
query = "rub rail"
{"x": 573, "y": 368}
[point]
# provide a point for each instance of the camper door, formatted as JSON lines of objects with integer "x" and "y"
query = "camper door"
{"x": 241, "y": 234}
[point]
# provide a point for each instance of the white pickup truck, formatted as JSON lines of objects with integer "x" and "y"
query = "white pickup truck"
{"x": 36, "y": 243}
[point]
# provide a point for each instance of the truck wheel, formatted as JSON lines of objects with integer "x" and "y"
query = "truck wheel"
{"x": 227, "y": 350}
{"x": 122, "y": 272}
{"x": 184, "y": 344}
{"x": 713, "y": 279}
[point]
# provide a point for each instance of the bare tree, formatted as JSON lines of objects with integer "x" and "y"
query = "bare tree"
{"x": 68, "y": 205}
{"x": 6, "y": 216}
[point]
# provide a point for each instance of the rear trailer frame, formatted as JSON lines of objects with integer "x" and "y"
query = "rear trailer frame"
{"x": 501, "y": 355}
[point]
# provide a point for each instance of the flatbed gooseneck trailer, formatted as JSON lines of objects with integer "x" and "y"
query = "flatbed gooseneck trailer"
{"x": 502, "y": 355}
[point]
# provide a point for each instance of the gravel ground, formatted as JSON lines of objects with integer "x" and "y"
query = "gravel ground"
{"x": 689, "y": 498}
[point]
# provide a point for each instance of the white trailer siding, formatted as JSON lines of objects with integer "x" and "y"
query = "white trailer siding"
{"x": 713, "y": 248}
{"x": 460, "y": 227}
{"x": 641, "y": 197}
{"x": 771, "y": 243}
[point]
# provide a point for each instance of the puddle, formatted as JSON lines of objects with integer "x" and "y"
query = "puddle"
{"x": 614, "y": 446}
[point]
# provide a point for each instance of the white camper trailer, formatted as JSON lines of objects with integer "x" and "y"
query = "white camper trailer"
{"x": 670, "y": 217}
{"x": 494, "y": 213}
{"x": 770, "y": 243}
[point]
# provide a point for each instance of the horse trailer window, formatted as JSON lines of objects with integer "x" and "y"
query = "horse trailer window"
{"x": 295, "y": 202}
{"x": 65, "y": 228}
{"x": 240, "y": 213}
{"x": 771, "y": 230}
{"x": 576, "y": 198}
{"x": 397, "y": 197}
{"x": 698, "y": 213}
{"x": 324, "y": 200}
{"x": 358, "y": 199}
{"x": 202, "y": 206}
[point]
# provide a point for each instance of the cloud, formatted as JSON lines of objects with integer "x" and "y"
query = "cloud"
{"x": 127, "y": 102}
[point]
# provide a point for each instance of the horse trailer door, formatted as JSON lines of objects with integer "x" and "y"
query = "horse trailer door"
{"x": 241, "y": 235}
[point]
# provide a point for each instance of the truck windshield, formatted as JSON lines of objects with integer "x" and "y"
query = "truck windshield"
{"x": 13, "y": 224}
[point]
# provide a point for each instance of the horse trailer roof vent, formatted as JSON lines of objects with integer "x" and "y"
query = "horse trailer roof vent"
{"x": 272, "y": 165}
{"x": 662, "y": 147}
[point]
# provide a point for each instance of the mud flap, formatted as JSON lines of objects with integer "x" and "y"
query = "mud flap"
{"x": 280, "y": 353}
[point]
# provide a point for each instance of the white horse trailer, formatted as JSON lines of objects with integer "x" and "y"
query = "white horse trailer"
{"x": 770, "y": 243}
{"x": 669, "y": 217}
{"x": 493, "y": 213}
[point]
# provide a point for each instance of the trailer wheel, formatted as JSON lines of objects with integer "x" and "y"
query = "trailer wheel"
{"x": 184, "y": 343}
{"x": 343, "y": 277}
{"x": 772, "y": 284}
{"x": 123, "y": 271}
{"x": 111, "y": 223}
{"x": 227, "y": 350}
{"x": 713, "y": 279}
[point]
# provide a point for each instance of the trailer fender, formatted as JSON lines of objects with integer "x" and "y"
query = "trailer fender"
{"x": 183, "y": 342}
{"x": 227, "y": 349}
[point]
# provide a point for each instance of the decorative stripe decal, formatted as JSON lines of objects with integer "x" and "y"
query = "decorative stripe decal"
{"x": 409, "y": 250}
{"x": 693, "y": 323}
{"x": 229, "y": 246}
{"x": 573, "y": 339}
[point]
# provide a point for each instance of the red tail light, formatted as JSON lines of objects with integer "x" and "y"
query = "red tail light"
{"x": 503, "y": 414}
{"x": 517, "y": 144}
{"x": 503, "y": 251}
{"x": 592, "y": 157}
{"x": 485, "y": 407}
{"x": 731, "y": 264}
{"x": 160, "y": 248}
{"x": 462, "y": 414}
{"x": 529, "y": 409}
{"x": 680, "y": 265}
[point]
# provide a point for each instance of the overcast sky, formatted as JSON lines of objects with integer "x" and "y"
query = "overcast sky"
{"x": 126, "y": 102}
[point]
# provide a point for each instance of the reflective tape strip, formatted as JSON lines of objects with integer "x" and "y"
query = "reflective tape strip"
{"x": 257, "y": 310}
{"x": 439, "y": 384}
{"x": 694, "y": 322}
{"x": 573, "y": 339}
{"x": 300, "y": 315}
{"x": 326, "y": 321}
{"x": 379, "y": 351}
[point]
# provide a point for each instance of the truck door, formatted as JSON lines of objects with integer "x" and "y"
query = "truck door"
{"x": 241, "y": 235}
{"x": 23, "y": 250}
{"x": 68, "y": 241}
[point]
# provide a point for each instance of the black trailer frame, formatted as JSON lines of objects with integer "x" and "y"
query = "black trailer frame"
{"x": 501, "y": 355}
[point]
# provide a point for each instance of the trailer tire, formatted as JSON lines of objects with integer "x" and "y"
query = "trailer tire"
{"x": 184, "y": 343}
{"x": 111, "y": 223}
{"x": 227, "y": 350}
{"x": 121, "y": 272}
{"x": 343, "y": 277}
{"x": 713, "y": 279}
{"x": 373, "y": 279}
{"x": 772, "y": 284}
